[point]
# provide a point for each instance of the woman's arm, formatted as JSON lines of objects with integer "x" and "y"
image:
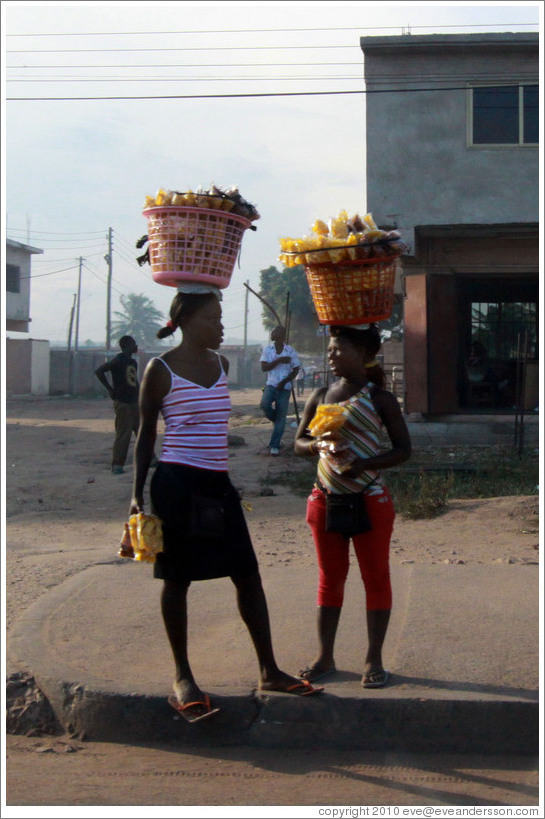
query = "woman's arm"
{"x": 305, "y": 444}
{"x": 155, "y": 385}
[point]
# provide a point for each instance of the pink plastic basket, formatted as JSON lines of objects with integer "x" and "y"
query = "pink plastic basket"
{"x": 193, "y": 244}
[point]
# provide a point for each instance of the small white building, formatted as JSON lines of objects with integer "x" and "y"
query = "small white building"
{"x": 27, "y": 359}
{"x": 18, "y": 264}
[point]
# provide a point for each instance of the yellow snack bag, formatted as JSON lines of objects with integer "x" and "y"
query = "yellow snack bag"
{"x": 328, "y": 418}
{"x": 142, "y": 538}
{"x": 320, "y": 227}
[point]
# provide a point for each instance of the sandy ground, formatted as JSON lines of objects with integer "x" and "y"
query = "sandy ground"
{"x": 65, "y": 512}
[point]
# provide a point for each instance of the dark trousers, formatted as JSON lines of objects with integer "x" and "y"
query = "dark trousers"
{"x": 127, "y": 420}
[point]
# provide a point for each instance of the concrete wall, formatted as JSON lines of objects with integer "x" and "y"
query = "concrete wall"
{"x": 39, "y": 368}
{"x": 27, "y": 367}
{"x": 420, "y": 170}
{"x": 83, "y": 381}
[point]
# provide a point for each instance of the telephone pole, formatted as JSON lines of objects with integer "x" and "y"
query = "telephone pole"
{"x": 70, "y": 354}
{"x": 245, "y": 348}
{"x": 109, "y": 261}
{"x": 76, "y": 342}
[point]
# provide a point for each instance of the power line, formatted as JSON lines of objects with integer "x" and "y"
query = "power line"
{"x": 58, "y": 261}
{"x": 103, "y": 281}
{"x": 382, "y": 77}
{"x": 235, "y": 96}
{"x": 162, "y": 49}
{"x": 53, "y": 233}
{"x": 523, "y": 76}
{"x": 181, "y": 65}
{"x": 51, "y": 273}
{"x": 182, "y": 79}
{"x": 260, "y": 30}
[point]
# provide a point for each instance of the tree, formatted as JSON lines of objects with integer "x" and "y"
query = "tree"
{"x": 303, "y": 324}
{"x": 140, "y": 319}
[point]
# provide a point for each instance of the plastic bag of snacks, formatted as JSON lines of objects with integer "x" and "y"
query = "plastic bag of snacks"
{"x": 228, "y": 199}
{"x": 342, "y": 239}
{"x": 330, "y": 418}
{"x": 142, "y": 538}
{"x": 327, "y": 418}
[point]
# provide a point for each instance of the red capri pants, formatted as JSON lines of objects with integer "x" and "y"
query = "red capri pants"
{"x": 372, "y": 552}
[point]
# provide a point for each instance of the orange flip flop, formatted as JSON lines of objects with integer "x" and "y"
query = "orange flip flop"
{"x": 308, "y": 689}
{"x": 182, "y": 709}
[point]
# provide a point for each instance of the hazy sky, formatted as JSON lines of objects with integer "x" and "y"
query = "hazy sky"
{"x": 74, "y": 168}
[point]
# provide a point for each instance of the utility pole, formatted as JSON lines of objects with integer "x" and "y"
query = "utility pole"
{"x": 76, "y": 343}
{"x": 108, "y": 259}
{"x": 245, "y": 349}
{"x": 70, "y": 356}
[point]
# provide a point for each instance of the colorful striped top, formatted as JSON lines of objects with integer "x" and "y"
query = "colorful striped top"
{"x": 196, "y": 422}
{"x": 363, "y": 430}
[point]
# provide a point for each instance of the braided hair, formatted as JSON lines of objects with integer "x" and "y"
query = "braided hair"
{"x": 183, "y": 306}
{"x": 370, "y": 341}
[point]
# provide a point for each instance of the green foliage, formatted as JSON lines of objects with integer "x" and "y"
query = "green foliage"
{"x": 420, "y": 496}
{"x": 303, "y": 324}
{"x": 424, "y": 488}
{"x": 140, "y": 319}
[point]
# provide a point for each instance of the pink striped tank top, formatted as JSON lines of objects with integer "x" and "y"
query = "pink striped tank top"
{"x": 363, "y": 431}
{"x": 196, "y": 423}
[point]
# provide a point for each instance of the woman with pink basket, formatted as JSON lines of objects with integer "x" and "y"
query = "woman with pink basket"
{"x": 204, "y": 530}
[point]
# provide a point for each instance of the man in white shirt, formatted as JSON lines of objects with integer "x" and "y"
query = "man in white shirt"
{"x": 281, "y": 363}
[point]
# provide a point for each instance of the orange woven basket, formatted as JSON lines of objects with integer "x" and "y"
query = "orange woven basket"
{"x": 193, "y": 244}
{"x": 353, "y": 292}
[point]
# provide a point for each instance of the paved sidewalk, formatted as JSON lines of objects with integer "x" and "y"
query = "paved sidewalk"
{"x": 462, "y": 650}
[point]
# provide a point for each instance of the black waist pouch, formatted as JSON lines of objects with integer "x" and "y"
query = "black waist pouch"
{"x": 347, "y": 514}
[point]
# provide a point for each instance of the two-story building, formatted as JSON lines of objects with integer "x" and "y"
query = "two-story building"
{"x": 27, "y": 359}
{"x": 18, "y": 261}
{"x": 453, "y": 163}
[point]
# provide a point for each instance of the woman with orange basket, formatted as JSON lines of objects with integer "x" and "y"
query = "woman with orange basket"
{"x": 349, "y": 501}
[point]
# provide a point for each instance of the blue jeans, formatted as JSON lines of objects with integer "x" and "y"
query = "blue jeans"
{"x": 274, "y": 404}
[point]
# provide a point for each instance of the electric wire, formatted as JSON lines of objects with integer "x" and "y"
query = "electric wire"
{"x": 163, "y": 49}
{"x": 238, "y": 96}
{"x": 257, "y": 30}
{"x": 55, "y": 233}
{"x": 50, "y": 273}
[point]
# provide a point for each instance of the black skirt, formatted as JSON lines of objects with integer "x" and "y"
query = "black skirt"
{"x": 189, "y": 558}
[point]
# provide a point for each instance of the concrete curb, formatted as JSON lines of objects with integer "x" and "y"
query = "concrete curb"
{"x": 475, "y": 726}
{"x": 416, "y": 715}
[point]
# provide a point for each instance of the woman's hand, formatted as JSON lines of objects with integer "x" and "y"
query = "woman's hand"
{"x": 137, "y": 505}
{"x": 332, "y": 446}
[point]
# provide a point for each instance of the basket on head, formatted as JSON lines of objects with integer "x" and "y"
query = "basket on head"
{"x": 353, "y": 292}
{"x": 193, "y": 244}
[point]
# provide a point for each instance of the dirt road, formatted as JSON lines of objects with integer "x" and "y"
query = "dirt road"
{"x": 64, "y": 513}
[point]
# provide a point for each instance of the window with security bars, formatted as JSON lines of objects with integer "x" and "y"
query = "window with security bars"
{"x": 504, "y": 115}
{"x": 503, "y": 326}
{"x": 13, "y": 278}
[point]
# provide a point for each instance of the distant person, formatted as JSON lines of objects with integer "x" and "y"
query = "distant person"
{"x": 300, "y": 381}
{"x": 281, "y": 363}
{"x": 124, "y": 393}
